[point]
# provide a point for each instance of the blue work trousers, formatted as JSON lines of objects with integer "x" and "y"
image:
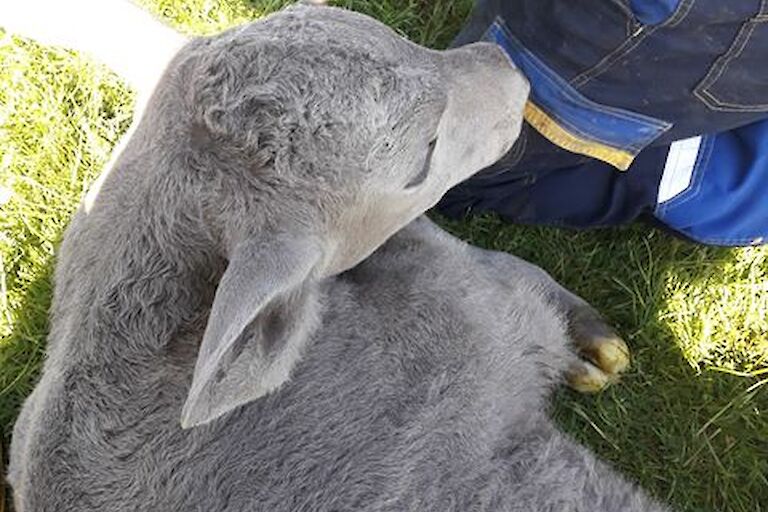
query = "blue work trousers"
{"x": 638, "y": 108}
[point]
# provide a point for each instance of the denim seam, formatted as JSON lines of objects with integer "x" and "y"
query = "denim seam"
{"x": 624, "y": 6}
{"x": 629, "y": 44}
{"x": 682, "y": 12}
{"x": 518, "y": 156}
{"x": 763, "y": 10}
{"x": 609, "y": 60}
{"x": 703, "y": 90}
{"x": 714, "y": 240}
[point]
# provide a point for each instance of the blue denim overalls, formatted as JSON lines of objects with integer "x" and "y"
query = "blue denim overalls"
{"x": 638, "y": 108}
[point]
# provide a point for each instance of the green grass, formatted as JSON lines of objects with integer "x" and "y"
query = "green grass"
{"x": 689, "y": 422}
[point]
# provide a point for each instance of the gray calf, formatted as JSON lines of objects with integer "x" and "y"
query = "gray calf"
{"x": 236, "y": 325}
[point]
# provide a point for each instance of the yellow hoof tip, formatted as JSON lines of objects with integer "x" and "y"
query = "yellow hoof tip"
{"x": 611, "y": 355}
{"x": 585, "y": 377}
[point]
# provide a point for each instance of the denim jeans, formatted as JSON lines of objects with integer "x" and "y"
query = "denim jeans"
{"x": 614, "y": 84}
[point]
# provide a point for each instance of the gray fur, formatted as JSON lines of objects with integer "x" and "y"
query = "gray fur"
{"x": 223, "y": 277}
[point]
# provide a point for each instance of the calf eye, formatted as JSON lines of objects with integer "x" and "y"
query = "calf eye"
{"x": 424, "y": 172}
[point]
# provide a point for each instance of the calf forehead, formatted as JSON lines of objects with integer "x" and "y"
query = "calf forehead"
{"x": 308, "y": 52}
{"x": 317, "y": 69}
{"x": 340, "y": 27}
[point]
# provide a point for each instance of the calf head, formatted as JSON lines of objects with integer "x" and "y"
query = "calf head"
{"x": 318, "y": 133}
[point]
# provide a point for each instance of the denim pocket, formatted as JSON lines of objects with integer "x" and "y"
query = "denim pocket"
{"x": 569, "y": 119}
{"x": 738, "y": 80}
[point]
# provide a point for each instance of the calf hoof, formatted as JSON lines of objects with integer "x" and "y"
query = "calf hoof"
{"x": 585, "y": 377}
{"x": 606, "y": 354}
{"x": 610, "y": 354}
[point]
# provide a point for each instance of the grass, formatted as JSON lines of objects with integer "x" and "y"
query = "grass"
{"x": 689, "y": 422}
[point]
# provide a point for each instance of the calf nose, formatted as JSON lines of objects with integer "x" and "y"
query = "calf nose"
{"x": 509, "y": 78}
{"x": 492, "y": 74}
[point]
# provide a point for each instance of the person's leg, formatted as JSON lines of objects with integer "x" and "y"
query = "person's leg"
{"x": 709, "y": 189}
{"x": 582, "y": 93}
{"x": 545, "y": 189}
{"x": 694, "y": 65}
{"x": 713, "y": 188}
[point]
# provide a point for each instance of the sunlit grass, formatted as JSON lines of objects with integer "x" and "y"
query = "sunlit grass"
{"x": 720, "y": 318}
{"x": 688, "y": 421}
{"x": 205, "y": 17}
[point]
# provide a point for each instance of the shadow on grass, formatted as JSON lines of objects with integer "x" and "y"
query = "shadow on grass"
{"x": 697, "y": 439}
{"x": 431, "y": 23}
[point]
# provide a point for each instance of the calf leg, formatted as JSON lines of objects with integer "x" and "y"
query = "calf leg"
{"x": 548, "y": 471}
{"x": 605, "y": 354}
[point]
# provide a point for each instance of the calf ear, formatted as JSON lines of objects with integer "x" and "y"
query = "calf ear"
{"x": 259, "y": 323}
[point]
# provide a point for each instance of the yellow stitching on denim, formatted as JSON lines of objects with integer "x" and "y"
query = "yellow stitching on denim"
{"x": 558, "y": 135}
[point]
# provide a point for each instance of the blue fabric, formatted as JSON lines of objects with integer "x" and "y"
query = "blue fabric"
{"x": 614, "y": 127}
{"x": 699, "y": 65}
{"x": 727, "y": 202}
{"x": 652, "y": 12}
{"x": 702, "y": 68}
{"x": 589, "y": 193}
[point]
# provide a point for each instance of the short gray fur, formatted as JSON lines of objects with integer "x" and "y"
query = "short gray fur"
{"x": 224, "y": 337}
